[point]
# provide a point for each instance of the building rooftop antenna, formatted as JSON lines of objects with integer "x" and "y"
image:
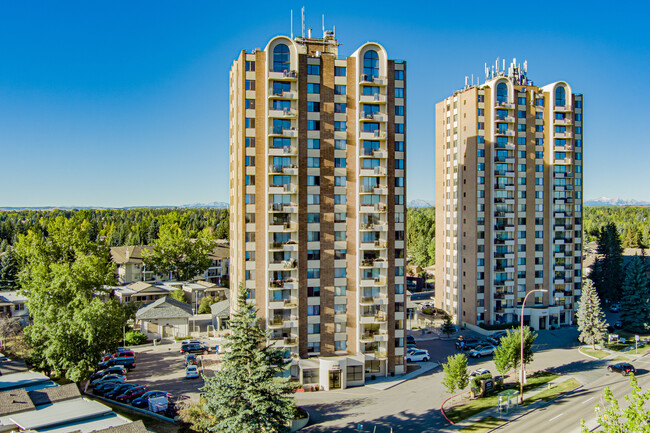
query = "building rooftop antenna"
{"x": 292, "y": 24}
{"x": 302, "y": 12}
{"x": 323, "y": 26}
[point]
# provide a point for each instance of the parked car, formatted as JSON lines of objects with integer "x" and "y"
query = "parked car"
{"x": 410, "y": 346}
{"x": 194, "y": 348}
{"x": 105, "y": 387}
{"x": 184, "y": 342}
{"x": 144, "y": 400}
{"x": 191, "y": 372}
{"x": 132, "y": 394}
{"x": 116, "y": 369}
{"x": 126, "y": 359}
{"x": 119, "y": 390}
{"x": 410, "y": 339}
{"x": 495, "y": 338}
{"x": 615, "y": 308}
{"x": 479, "y": 351}
{"x": 624, "y": 368}
{"x": 479, "y": 372}
{"x": 108, "y": 378}
{"x": 418, "y": 355}
{"x": 464, "y": 341}
{"x": 190, "y": 359}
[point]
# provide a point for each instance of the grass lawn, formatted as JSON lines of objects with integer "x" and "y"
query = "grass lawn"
{"x": 484, "y": 425}
{"x": 617, "y": 346}
{"x": 600, "y": 354}
{"x": 555, "y": 391}
{"x": 461, "y": 412}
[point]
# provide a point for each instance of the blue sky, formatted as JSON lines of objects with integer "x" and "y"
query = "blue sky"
{"x": 116, "y": 103}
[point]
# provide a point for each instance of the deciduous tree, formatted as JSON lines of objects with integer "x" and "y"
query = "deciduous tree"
{"x": 508, "y": 354}
{"x": 248, "y": 394}
{"x": 178, "y": 294}
{"x": 591, "y": 319}
{"x": 456, "y": 377}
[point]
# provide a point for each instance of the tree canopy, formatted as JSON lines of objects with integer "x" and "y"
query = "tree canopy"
{"x": 62, "y": 274}
{"x": 608, "y": 270}
{"x": 421, "y": 231}
{"x": 456, "y": 376}
{"x": 635, "y": 304}
{"x": 507, "y": 355}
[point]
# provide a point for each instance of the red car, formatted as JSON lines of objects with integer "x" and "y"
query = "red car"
{"x": 132, "y": 394}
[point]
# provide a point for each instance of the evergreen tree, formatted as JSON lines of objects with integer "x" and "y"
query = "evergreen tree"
{"x": 447, "y": 327}
{"x": 591, "y": 319}
{"x": 608, "y": 269}
{"x": 9, "y": 271}
{"x": 635, "y": 306}
{"x": 249, "y": 394}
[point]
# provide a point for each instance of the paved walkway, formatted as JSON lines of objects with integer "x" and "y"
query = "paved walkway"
{"x": 386, "y": 382}
{"x": 513, "y": 413}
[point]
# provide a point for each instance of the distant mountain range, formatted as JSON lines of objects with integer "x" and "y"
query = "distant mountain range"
{"x": 214, "y": 204}
{"x": 420, "y": 203}
{"x": 617, "y": 201}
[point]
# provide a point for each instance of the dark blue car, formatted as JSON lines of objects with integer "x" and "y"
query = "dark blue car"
{"x": 144, "y": 400}
{"x": 119, "y": 390}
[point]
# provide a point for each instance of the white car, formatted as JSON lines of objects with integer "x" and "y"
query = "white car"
{"x": 184, "y": 342}
{"x": 479, "y": 351}
{"x": 418, "y": 355}
{"x": 479, "y": 372}
{"x": 191, "y": 372}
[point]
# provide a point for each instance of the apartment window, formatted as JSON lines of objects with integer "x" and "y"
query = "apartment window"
{"x": 399, "y": 199}
{"x": 521, "y": 100}
{"x": 539, "y": 155}
{"x": 399, "y": 74}
{"x": 339, "y": 235}
{"x": 399, "y": 271}
{"x": 521, "y": 141}
{"x": 578, "y": 130}
{"x": 578, "y": 143}
{"x": 313, "y": 347}
{"x": 340, "y": 199}
{"x": 481, "y": 112}
{"x": 249, "y": 161}
{"x": 399, "y": 289}
{"x": 340, "y": 272}
{"x": 281, "y": 58}
{"x": 340, "y": 126}
{"x": 249, "y": 237}
{"x": 313, "y": 272}
{"x": 399, "y": 307}
{"x": 521, "y": 114}
{"x": 399, "y": 146}
{"x": 339, "y": 107}
{"x": 250, "y": 66}
{"x": 480, "y": 180}
{"x": 399, "y": 128}
{"x": 502, "y": 92}
{"x": 313, "y": 198}
{"x": 313, "y": 291}
{"x": 399, "y": 181}
{"x": 339, "y": 71}
{"x": 539, "y": 168}
{"x": 578, "y": 156}
{"x": 250, "y": 122}
{"x": 340, "y": 144}
{"x": 340, "y": 290}
{"x": 340, "y": 346}
{"x": 560, "y": 96}
{"x": 313, "y": 162}
{"x": 250, "y": 103}
{"x": 560, "y": 142}
{"x": 578, "y": 104}
{"x": 250, "y": 218}
{"x": 250, "y": 256}
{"x": 249, "y": 180}
{"x": 313, "y": 180}
{"x": 249, "y": 275}
{"x": 279, "y": 180}
{"x": 370, "y": 90}
{"x": 521, "y": 127}
{"x": 249, "y": 142}
{"x": 313, "y": 106}
{"x": 371, "y": 63}
{"x": 539, "y": 274}
{"x": 339, "y": 162}
{"x": 399, "y": 92}
{"x": 340, "y": 254}
{"x": 313, "y": 125}
{"x": 480, "y": 153}
{"x": 340, "y": 308}
{"x": 313, "y": 217}
{"x": 560, "y": 155}
{"x": 521, "y": 154}
{"x": 313, "y": 69}
{"x": 313, "y": 143}
{"x": 480, "y": 166}
{"x": 339, "y": 181}
{"x": 250, "y": 84}
{"x": 339, "y": 89}
{"x": 399, "y": 164}
{"x": 399, "y": 110}
{"x": 340, "y": 217}
{"x": 313, "y": 88}
{"x": 313, "y": 310}
{"x": 281, "y": 142}
{"x": 539, "y": 234}
{"x": 313, "y": 236}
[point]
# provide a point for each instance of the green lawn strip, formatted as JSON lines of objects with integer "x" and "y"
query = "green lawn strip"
{"x": 484, "y": 425}
{"x": 600, "y": 354}
{"x": 555, "y": 391}
{"x": 461, "y": 412}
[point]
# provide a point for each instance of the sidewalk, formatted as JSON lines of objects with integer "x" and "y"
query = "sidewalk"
{"x": 385, "y": 382}
{"x": 513, "y": 413}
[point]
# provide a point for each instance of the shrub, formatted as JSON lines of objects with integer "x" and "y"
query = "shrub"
{"x": 134, "y": 338}
{"x": 428, "y": 311}
{"x": 476, "y": 381}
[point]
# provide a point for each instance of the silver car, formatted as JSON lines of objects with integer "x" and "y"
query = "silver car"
{"x": 479, "y": 351}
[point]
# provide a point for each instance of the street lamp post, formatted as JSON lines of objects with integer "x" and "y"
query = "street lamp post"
{"x": 521, "y": 340}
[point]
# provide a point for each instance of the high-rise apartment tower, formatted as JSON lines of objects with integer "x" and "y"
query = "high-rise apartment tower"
{"x": 317, "y": 196}
{"x": 509, "y": 201}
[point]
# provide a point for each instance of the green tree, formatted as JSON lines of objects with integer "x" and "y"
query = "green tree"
{"x": 134, "y": 338}
{"x": 178, "y": 294}
{"x": 421, "y": 228}
{"x": 456, "y": 377}
{"x": 608, "y": 269}
{"x": 248, "y": 394}
{"x": 206, "y": 302}
{"x": 63, "y": 276}
{"x": 448, "y": 327}
{"x": 9, "y": 271}
{"x": 176, "y": 254}
{"x": 591, "y": 319}
{"x": 631, "y": 419}
{"x": 635, "y": 305}
{"x": 508, "y": 354}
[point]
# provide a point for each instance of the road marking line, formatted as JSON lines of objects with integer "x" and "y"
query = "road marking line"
{"x": 555, "y": 417}
{"x": 589, "y": 399}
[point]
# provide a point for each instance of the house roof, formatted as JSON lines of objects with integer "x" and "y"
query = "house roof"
{"x": 221, "y": 309}
{"x": 9, "y": 367}
{"x": 53, "y": 394}
{"x": 134, "y": 427}
{"x": 15, "y": 401}
{"x": 164, "y": 308}
{"x": 13, "y": 297}
{"x": 221, "y": 251}
{"x": 129, "y": 253}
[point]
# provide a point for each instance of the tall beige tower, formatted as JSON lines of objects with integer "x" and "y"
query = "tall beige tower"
{"x": 317, "y": 201}
{"x": 509, "y": 201}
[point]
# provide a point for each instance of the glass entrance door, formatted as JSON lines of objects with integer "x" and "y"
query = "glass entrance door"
{"x": 335, "y": 379}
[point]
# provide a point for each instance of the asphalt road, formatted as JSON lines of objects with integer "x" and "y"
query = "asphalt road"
{"x": 564, "y": 414}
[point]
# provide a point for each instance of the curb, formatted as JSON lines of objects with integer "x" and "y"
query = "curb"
{"x": 593, "y": 357}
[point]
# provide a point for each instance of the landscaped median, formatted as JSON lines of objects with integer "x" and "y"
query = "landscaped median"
{"x": 466, "y": 408}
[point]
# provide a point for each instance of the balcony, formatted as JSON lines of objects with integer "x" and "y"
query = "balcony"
{"x": 369, "y": 99}
{"x": 372, "y": 135}
{"x": 283, "y": 95}
{"x": 373, "y": 153}
{"x": 565, "y": 121}
{"x": 279, "y": 131}
{"x": 287, "y": 113}
{"x": 367, "y": 300}
{"x": 283, "y": 207}
{"x": 283, "y": 75}
{"x": 369, "y": 79}
{"x": 374, "y": 117}
{"x": 372, "y": 318}
{"x": 505, "y": 105}
{"x": 283, "y": 189}
{"x": 286, "y": 284}
{"x": 282, "y": 151}
{"x": 288, "y": 169}
{"x": 562, "y": 108}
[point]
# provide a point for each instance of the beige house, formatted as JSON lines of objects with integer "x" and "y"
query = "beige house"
{"x": 165, "y": 317}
